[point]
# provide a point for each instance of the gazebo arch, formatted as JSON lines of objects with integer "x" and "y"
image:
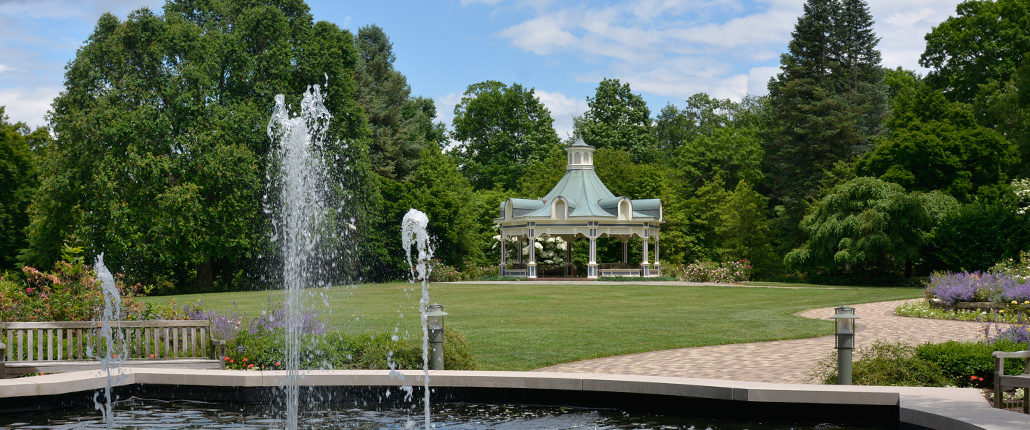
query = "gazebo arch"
{"x": 581, "y": 205}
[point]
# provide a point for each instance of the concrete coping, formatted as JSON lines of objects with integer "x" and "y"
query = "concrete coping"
{"x": 940, "y": 408}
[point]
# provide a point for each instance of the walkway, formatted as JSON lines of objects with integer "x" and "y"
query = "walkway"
{"x": 784, "y": 361}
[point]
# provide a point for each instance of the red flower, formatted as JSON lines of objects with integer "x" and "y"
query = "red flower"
{"x": 276, "y": 363}
{"x": 244, "y": 359}
{"x": 972, "y": 378}
{"x": 980, "y": 379}
{"x": 151, "y": 355}
{"x": 226, "y": 358}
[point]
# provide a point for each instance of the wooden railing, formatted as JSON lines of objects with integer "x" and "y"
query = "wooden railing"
{"x": 34, "y": 344}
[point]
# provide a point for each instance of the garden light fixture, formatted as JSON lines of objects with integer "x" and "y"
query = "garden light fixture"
{"x": 844, "y": 324}
{"x": 434, "y": 316}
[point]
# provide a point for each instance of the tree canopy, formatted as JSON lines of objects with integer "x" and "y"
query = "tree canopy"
{"x": 828, "y": 102}
{"x": 936, "y": 144}
{"x": 619, "y": 119}
{"x": 862, "y": 225}
{"x": 986, "y": 41}
{"x": 500, "y": 129}
{"x": 161, "y": 151}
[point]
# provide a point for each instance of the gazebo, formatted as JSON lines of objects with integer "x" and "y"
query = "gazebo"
{"x": 581, "y": 205}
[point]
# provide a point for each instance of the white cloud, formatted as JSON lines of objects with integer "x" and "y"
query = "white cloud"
{"x": 563, "y": 109}
{"x": 488, "y": 2}
{"x": 541, "y": 35}
{"x": 5, "y": 68}
{"x": 675, "y": 48}
{"x": 445, "y": 106}
{"x": 28, "y": 105}
{"x": 758, "y": 80}
{"x": 88, "y": 10}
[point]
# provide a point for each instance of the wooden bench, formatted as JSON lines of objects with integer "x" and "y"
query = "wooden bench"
{"x": 1003, "y": 381}
{"x": 61, "y": 346}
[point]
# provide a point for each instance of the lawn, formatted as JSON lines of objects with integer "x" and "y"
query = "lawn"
{"x": 527, "y": 326}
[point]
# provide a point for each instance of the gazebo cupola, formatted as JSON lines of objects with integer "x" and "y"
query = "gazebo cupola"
{"x": 580, "y": 205}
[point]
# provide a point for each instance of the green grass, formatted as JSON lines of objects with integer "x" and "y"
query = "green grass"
{"x": 527, "y": 326}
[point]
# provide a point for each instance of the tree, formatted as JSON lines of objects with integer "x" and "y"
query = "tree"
{"x": 977, "y": 235}
{"x": 733, "y": 153}
{"x": 703, "y": 116}
{"x": 618, "y": 119}
{"x": 828, "y": 102}
{"x": 936, "y": 144}
{"x": 18, "y": 180}
{"x": 862, "y": 225}
{"x": 161, "y": 151}
{"x": 398, "y": 122}
{"x": 986, "y": 42}
{"x": 500, "y": 129}
{"x": 743, "y": 229}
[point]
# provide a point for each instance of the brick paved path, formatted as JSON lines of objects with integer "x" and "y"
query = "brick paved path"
{"x": 784, "y": 361}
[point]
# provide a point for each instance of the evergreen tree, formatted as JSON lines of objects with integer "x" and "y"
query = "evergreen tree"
{"x": 828, "y": 101}
{"x": 399, "y": 132}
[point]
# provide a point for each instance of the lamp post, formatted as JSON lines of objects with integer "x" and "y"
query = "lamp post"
{"x": 435, "y": 314}
{"x": 844, "y": 324}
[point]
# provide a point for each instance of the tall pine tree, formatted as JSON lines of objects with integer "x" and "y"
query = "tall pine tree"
{"x": 828, "y": 101}
{"x": 401, "y": 125}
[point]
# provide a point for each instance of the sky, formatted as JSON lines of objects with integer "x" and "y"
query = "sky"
{"x": 666, "y": 50}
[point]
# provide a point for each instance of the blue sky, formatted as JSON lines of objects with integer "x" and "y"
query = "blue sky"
{"x": 666, "y": 49}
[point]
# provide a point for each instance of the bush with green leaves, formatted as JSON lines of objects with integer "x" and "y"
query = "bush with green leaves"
{"x": 863, "y": 225}
{"x": 952, "y": 363}
{"x": 886, "y": 363}
{"x": 266, "y": 350}
{"x": 970, "y": 364}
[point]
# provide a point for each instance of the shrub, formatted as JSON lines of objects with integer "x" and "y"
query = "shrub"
{"x": 969, "y": 364}
{"x": 1018, "y": 268}
{"x": 886, "y": 363}
{"x": 708, "y": 271}
{"x": 443, "y": 273}
{"x": 71, "y": 292}
{"x": 266, "y": 349}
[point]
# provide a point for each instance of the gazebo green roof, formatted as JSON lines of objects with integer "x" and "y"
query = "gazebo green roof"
{"x": 584, "y": 193}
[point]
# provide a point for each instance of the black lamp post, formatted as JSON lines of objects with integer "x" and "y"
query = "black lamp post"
{"x": 844, "y": 324}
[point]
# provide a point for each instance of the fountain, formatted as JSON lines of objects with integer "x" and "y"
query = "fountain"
{"x": 110, "y": 361}
{"x": 413, "y": 232}
{"x": 298, "y": 217}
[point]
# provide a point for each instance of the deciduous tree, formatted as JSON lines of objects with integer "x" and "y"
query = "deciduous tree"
{"x": 500, "y": 129}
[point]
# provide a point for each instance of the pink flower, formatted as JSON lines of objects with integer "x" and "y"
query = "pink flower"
{"x": 43, "y": 296}
{"x": 28, "y": 290}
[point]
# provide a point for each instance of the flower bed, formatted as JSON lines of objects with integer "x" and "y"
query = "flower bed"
{"x": 710, "y": 271}
{"x": 989, "y": 290}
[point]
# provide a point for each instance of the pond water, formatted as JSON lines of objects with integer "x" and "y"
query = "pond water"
{"x": 139, "y": 413}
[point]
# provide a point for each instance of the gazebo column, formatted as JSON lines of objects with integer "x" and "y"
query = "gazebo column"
{"x": 520, "y": 250}
{"x": 531, "y": 265}
{"x": 592, "y": 265}
{"x": 645, "y": 267}
{"x": 503, "y": 252}
{"x": 625, "y": 250}
{"x": 656, "y": 267}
